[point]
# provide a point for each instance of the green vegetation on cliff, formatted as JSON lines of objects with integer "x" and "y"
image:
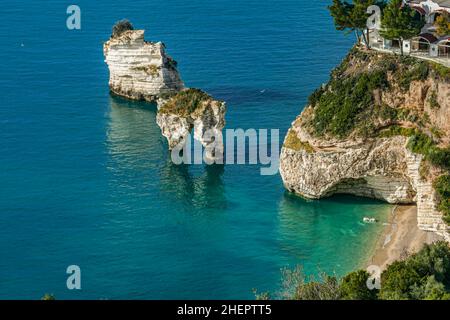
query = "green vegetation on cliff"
{"x": 185, "y": 102}
{"x": 442, "y": 187}
{"x": 419, "y": 71}
{"x": 396, "y": 130}
{"x": 371, "y": 95}
{"x": 120, "y": 27}
{"x": 442, "y": 71}
{"x": 338, "y": 109}
{"x": 440, "y": 157}
{"x": 294, "y": 143}
{"x": 423, "y": 144}
{"x": 350, "y": 102}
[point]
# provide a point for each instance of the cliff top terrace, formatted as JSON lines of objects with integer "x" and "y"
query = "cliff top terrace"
{"x": 428, "y": 44}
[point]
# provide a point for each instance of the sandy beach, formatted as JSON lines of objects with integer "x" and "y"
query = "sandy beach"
{"x": 400, "y": 236}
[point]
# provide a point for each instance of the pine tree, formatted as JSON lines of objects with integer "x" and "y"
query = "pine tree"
{"x": 400, "y": 22}
{"x": 353, "y": 16}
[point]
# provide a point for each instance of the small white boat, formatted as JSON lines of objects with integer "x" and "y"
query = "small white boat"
{"x": 369, "y": 220}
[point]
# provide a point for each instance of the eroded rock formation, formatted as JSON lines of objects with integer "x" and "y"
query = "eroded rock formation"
{"x": 193, "y": 111}
{"x": 139, "y": 69}
{"x": 371, "y": 154}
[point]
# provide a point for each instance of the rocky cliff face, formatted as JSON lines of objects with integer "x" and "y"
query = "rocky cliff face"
{"x": 371, "y": 132}
{"x": 139, "y": 69}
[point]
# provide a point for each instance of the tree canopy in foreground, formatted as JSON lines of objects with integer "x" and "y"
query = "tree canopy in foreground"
{"x": 424, "y": 275}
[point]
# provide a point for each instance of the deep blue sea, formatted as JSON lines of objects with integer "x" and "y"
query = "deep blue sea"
{"x": 86, "y": 178}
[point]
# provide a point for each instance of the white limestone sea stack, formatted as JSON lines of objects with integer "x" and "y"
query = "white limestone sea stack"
{"x": 380, "y": 128}
{"x": 139, "y": 69}
{"x": 142, "y": 70}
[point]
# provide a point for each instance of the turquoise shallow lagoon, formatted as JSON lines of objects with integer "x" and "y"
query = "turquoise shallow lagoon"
{"x": 86, "y": 179}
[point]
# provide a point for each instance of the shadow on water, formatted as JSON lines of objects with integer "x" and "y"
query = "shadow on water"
{"x": 197, "y": 187}
{"x": 140, "y": 161}
{"x": 133, "y": 139}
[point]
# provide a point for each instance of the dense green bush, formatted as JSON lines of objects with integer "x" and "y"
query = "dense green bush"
{"x": 442, "y": 71}
{"x": 442, "y": 187}
{"x": 185, "y": 102}
{"x": 419, "y": 71}
{"x": 315, "y": 96}
{"x": 420, "y": 143}
{"x": 440, "y": 157}
{"x": 296, "y": 286}
{"x": 397, "y": 131}
{"x": 397, "y": 281}
{"x": 326, "y": 289}
{"x": 337, "y": 109}
{"x": 423, "y": 144}
{"x": 120, "y": 27}
{"x": 424, "y": 275}
{"x": 354, "y": 287}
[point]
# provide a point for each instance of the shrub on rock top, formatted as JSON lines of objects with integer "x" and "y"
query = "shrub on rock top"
{"x": 120, "y": 27}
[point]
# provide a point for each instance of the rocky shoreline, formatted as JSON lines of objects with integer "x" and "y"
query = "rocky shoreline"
{"x": 336, "y": 147}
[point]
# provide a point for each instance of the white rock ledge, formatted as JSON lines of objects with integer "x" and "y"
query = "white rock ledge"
{"x": 380, "y": 168}
{"x": 140, "y": 70}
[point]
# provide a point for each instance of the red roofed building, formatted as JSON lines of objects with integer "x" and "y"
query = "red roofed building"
{"x": 428, "y": 44}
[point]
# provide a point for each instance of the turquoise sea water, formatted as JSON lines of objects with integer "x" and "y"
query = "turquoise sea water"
{"x": 86, "y": 179}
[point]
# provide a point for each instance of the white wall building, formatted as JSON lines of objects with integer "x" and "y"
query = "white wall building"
{"x": 428, "y": 43}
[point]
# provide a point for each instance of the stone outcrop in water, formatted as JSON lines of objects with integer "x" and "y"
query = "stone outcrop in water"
{"x": 193, "y": 110}
{"x": 379, "y": 129}
{"x": 139, "y": 69}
